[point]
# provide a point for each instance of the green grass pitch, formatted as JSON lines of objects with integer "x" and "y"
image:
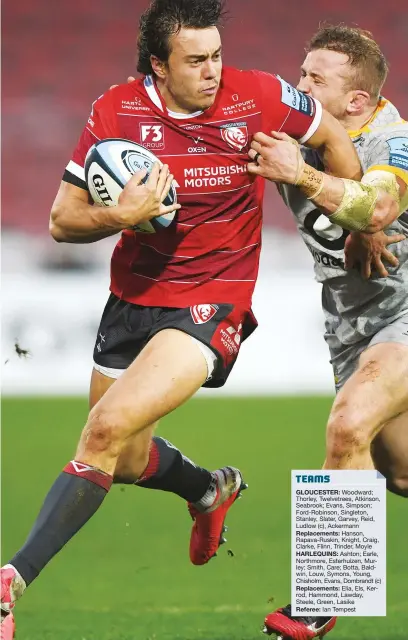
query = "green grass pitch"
{"x": 127, "y": 576}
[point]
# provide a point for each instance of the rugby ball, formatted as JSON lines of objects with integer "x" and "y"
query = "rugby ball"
{"x": 110, "y": 163}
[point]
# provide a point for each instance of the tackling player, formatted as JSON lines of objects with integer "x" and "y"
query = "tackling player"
{"x": 366, "y": 319}
{"x": 180, "y": 302}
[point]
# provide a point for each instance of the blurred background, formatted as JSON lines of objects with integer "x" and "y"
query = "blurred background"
{"x": 126, "y": 576}
{"x": 57, "y": 59}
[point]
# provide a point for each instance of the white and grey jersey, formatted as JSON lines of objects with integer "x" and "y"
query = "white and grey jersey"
{"x": 356, "y": 308}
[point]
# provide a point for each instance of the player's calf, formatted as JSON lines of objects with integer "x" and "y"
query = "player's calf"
{"x": 390, "y": 454}
{"x": 371, "y": 397}
{"x": 348, "y": 439}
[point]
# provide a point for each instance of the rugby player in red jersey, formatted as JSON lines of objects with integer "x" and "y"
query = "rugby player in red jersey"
{"x": 180, "y": 302}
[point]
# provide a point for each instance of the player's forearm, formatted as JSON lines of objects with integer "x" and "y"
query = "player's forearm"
{"x": 350, "y": 204}
{"x": 79, "y": 222}
{"x": 335, "y": 148}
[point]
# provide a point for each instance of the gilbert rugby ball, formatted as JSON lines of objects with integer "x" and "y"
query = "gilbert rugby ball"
{"x": 110, "y": 163}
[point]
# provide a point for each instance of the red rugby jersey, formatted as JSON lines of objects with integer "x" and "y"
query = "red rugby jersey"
{"x": 211, "y": 252}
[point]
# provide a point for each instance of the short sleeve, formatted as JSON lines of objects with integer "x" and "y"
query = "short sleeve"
{"x": 389, "y": 152}
{"x": 100, "y": 125}
{"x": 287, "y": 109}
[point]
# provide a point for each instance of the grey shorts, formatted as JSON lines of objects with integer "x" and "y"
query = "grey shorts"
{"x": 344, "y": 359}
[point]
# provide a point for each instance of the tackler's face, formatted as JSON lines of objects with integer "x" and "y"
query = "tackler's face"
{"x": 325, "y": 75}
{"x": 193, "y": 70}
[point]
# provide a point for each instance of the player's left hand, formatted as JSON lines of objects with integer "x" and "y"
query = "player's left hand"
{"x": 276, "y": 157}
{"x": 368, "y": 250}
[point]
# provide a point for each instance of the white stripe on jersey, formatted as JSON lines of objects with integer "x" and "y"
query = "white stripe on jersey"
{"x": 315, "y": 124}
{"x": 203, "y": 193}
{"x": 184, "y": 224}
{"x": 76, "y": 169}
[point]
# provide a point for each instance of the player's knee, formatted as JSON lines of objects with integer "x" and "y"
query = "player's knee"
{"x": 104, "y": 431}
{"x": 346, "y": 431}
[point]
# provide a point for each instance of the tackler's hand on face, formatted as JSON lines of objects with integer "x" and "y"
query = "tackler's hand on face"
{"x": 276, "y": 157}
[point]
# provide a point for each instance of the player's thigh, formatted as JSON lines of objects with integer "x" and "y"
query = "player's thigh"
{"x": 375, "y": 393}
{"x": 98, "y": 386}
{"x": 168, "y": 371}
{"x": 390, "y": 453}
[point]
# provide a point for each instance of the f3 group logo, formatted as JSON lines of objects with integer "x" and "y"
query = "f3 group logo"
{"x": 152, "y": 135}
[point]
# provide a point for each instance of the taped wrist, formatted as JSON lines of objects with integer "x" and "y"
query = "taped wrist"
{"x": 356, "y": 209}
{"x": 310, "y": 180}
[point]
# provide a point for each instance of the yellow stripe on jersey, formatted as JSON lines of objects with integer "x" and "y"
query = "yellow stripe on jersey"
{"x": 366, "y": 127}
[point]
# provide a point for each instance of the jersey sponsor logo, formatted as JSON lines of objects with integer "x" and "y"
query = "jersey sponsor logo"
{"x": 398, "y": 152}
{"x": 326, "y": 260}
{"x": 191, "y": 127}
{"x": 152, "y": 135}
{"x": 231, "y": 339}
{"x": 296, "y": 99}
{"x": 235, "y": 134}
{"x": 202, "y": 313}
{"x": 134, "y": 105}
{"x": 239, "y": 107}
{"x": 198, "y": 177}
{"x": 197, "y": 148}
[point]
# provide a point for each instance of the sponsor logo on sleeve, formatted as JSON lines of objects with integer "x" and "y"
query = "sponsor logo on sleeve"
{"x": 296, "y": 99}
{"x": 398, "y": 152}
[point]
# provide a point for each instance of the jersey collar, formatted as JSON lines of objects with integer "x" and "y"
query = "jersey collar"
{"x": 385, "y": 113}
{"x": 155, "y": 96}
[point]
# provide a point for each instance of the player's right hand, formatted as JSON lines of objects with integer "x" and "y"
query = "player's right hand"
{"x": 140, "y": 202}
{"x": 367, "y": 251}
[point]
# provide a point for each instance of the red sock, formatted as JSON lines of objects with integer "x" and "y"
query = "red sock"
{"x": 92, "y": 474}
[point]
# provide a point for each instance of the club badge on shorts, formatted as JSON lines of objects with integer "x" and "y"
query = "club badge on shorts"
{"x": 202, "y": 313}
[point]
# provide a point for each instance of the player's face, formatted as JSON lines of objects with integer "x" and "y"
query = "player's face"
{"x": 324, "y": 76}
{"x": 193, "y": 70}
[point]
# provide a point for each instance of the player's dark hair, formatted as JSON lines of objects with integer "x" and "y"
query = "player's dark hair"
{"x": 368, "y": 63}
{"x": 164, "y": 18}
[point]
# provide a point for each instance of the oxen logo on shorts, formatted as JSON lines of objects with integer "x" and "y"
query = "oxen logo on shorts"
{"x": 235, "y": 135}
{"x": 202, "y": 313}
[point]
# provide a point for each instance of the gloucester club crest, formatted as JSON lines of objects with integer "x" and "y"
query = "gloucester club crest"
{"x": 202, "y": 313}
{"x": 235, "y": 134}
